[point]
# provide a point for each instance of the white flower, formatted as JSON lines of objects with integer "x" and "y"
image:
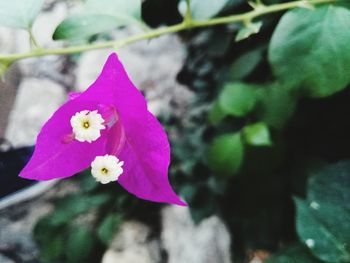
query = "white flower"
{"x": 106, "y": 168}
{"x": 87, "y": 125}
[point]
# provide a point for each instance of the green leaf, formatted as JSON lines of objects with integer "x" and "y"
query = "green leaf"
{"x": 247, "y": 31}
{"x": 323, "y": 221}
{"x": 53, "y": 248}
{"x": 79, "y": 245}
{"x": 19, "y": 13}
{"x": 310, "y": 49}
{"x": 188, "y": 192}
{"x": 99, "y": 16}
{"x": 296, "y": 253}
{"x": 331, "y": 185}
{"x": 108, "y": 227}
{"x": 203, "y": 9}
{"x": 245, "y": 64}
{"x": 73, "y": 205}
{"x": 257, "y": 134}
{"x": 226, "y": 154}
{"x": 81, "y": 26}
{"x": 117, "y": 8}
{"x": 276, "y": 105}
{"x": 216, "y": 114}
{"x": 320, "y": 228}
{"x": 87, "y": 182}
{"x": 237, "y": 99}
{"x": 50, "y": 239}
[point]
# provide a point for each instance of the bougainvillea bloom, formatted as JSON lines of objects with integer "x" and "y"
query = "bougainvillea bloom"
{"x": 109, "y": 128}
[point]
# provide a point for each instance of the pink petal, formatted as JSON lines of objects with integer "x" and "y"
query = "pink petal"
{"x": 146, "y": 156}
{"x": 146, "y": 152}
{"x": 55, "y": 158}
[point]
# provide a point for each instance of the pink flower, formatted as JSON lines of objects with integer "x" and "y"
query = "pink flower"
{"x": 109, "y": 128}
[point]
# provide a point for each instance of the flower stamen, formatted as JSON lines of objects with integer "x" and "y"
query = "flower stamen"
{"x": 106, "y": 168}
{"x": 87, "y": 125}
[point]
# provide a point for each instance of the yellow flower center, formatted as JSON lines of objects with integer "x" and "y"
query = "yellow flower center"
{"x": 86, "y": 124}
{"x": 104, "y": 170}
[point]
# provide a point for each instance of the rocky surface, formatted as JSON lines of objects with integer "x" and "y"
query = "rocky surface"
{"x": 36, "y": 100}
{"x": 133, "y": 243}
{"x": 207, "y": 242}
{"x": 181, "y": 241}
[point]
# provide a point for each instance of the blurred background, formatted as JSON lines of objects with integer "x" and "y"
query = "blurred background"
{"x": 258, "y": 125}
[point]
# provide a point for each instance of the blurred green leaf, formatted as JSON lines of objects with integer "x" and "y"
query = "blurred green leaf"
{"x": 276, "y": 105}
{"x": 73, "y": 205}
{"x": 203, "y": 9}
{"x": 87, "y": 182}
{"x": 216, "y": 114}
{"x": 226, "y": 154}
{"x": 50, "y": 238}
{"x": 108, "y": 227}
{"x": 81, "y": 26}
{"x": 248, "y": 30}
{"x": 296, "y": 253}
{"x": 188, "y": 192}
{"x": 331, "y": 185}
{"x": 237, "y": 99}
{"x": 117, "y": 8}
{"x": 99, "y": 16}
{"x": 245, "y": 64}
{"x": 257, "y": 134}
{"x": 310, "y": 49}
{"x": 78, "y": 246}
{"x": 53, "y": 249}
{"x": 19, "y": 13}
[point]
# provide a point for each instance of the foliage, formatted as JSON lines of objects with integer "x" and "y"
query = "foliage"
{"x": 98, "y": 16}
{"x": 268, "y": 125}
{"x": 321, "y": 36}
{"x": 20, "y": 14}
{"x": 84, "y": 223}
{"x": 323, "y": 219}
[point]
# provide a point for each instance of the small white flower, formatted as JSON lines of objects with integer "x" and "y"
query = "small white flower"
{"x": 106, "y": 168}
{"x": 310, "y": 243}
{"x": 87, "y": 125}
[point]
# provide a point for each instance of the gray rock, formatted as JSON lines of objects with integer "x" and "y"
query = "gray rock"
{"x": 153, "y": 66}
{"x": 4, "y": 259}
{"x": 185, "y": 242}
{"x": 46, "y": 23}
{"x": 17, "y": 223}
{"x": 89, "y": 67}
{"x": 133, "y": 244}
{"x": 36, "y": 100}
{"x": 13, "y": 40}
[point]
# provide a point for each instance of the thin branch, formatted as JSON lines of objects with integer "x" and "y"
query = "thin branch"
{"x": 9, "y": 58}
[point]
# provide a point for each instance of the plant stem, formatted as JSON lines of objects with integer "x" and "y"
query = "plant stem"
{"x": 32, "y": 38}
{"x": 188, "y": 23}
{"x": 188, "y": 16}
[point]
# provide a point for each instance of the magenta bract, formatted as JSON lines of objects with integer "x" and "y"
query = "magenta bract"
{"x": 133, "y": 134}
